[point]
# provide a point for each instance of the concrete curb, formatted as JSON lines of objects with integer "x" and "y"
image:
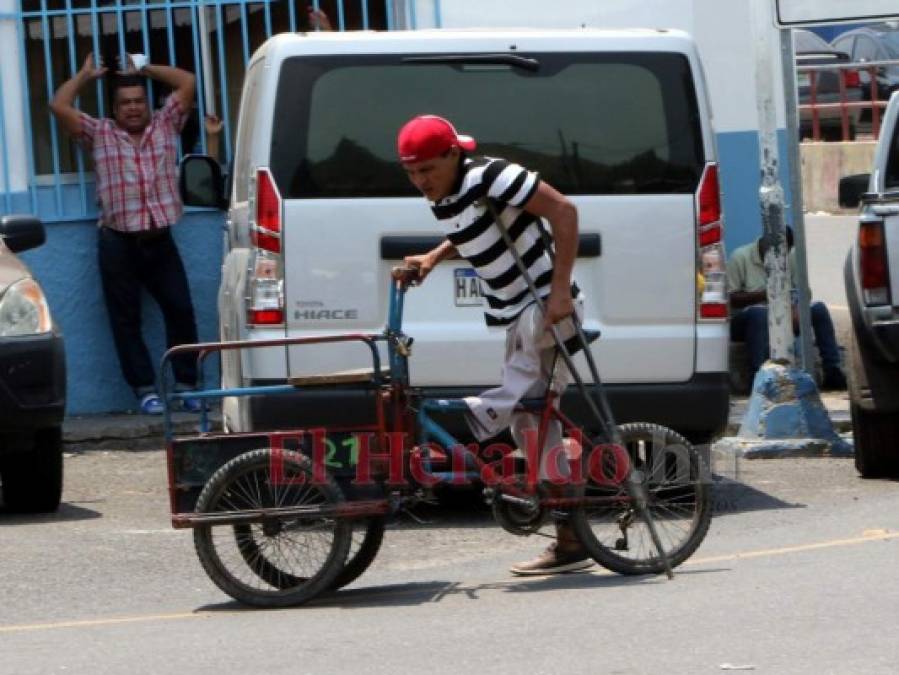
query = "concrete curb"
{"x": 131, "y": 431}
{"x": 127, "y": 431}
{"x": 771, "y": 448}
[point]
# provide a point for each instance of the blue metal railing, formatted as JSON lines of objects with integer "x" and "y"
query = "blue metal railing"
{"x": 59, "y": 187}
{"x": 4, "y": 155}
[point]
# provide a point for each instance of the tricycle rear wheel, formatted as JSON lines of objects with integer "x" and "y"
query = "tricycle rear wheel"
{"x": 311, "y": 550}
{"x": 366, "y": 542}
{"x": 367, "y": 537}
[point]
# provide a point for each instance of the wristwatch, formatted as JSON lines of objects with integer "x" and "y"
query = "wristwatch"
{"x": 140, "y": 61}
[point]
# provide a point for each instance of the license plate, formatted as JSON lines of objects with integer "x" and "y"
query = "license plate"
{"x": 803, "y": 79}
{"x": 467, "y": 288}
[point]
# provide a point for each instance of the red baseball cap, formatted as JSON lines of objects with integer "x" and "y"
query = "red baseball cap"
{"x": 429, "y": 136}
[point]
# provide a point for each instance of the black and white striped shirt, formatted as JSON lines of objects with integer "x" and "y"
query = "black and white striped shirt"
{"x": 469, "y": 226}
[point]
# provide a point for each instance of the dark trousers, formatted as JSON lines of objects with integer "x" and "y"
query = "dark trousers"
{"x": 750, "y": 325}
{"x": 127, "y": 263}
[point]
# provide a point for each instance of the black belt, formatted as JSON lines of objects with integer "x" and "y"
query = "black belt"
{"x": 142, "y": 236}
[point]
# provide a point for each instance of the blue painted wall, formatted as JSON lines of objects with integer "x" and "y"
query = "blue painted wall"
{"x": 66, "y": 266}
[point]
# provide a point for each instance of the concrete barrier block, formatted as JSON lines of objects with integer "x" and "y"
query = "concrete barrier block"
{"x": 824, "y": 164}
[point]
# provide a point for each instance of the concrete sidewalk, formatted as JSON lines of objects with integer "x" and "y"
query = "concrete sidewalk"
{"x": 145, "y": 432}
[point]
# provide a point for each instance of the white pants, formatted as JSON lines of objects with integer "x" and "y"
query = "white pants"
{"x": 527, "y": 368}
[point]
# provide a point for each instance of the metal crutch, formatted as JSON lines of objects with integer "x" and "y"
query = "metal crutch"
{"x": 600, "y": 408}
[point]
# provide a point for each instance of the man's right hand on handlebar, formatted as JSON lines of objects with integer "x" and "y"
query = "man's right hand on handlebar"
{"x": 423, "y": 263}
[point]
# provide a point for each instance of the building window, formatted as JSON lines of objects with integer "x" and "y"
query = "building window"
{"x": 60, "y": 33}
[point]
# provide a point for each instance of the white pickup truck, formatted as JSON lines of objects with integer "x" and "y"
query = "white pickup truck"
{"x": 872, "y": 289}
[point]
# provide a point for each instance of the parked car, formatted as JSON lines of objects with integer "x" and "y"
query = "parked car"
{"x": 32, "y": 378}
{"x": 811, "y": 50}
{"x": 877, "y": 42}
{"x": 320, "y": 210}
{"x": 872, "y": 289}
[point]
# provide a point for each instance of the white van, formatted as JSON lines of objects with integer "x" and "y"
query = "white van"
{"x": 320, "y": 210}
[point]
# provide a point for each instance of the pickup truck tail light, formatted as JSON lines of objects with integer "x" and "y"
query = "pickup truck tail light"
{"x": 265, "y": 287}
{"x": 872, "y": 261}
{"x": 711, "y": 270}
{"x": 851, "y": 78}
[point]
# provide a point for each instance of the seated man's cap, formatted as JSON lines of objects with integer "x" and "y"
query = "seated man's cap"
{"x": 429, "y": 136}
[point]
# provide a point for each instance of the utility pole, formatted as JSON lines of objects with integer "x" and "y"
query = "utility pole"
{"x": 771, "y": 194}
{"x": 804, "y": 300}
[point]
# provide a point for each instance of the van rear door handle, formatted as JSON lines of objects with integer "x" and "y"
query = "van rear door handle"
{"x": 589, "y": 245}
{"x": 396, "y": 247}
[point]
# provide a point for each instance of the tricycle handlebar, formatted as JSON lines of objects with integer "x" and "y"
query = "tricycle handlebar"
{"x": 407, "y": 276}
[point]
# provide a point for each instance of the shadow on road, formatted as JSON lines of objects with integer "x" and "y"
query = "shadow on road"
{"x": 419, "y": 593}
{"x": 66, "y": 512}
{"x": 730, "y": 496}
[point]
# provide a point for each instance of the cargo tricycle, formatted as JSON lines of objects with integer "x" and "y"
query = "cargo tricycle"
{"x": 279, "y": 517}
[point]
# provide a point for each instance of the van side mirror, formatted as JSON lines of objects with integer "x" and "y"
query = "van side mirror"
{"x": 852, "y": 188}
{"x": 21, "y": 233}
{"x": 200, "y": 183}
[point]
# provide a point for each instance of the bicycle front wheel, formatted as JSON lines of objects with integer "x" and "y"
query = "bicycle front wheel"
{"x": 283, "y": 560}
{"x": 669, "y": 473}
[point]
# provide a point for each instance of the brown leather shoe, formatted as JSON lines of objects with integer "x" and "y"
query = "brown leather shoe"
{"x": 553, "y": 561}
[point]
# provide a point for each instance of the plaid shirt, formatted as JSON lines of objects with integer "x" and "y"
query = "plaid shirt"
{"x": 137, "y": 187}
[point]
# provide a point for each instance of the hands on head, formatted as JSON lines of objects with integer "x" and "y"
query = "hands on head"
{"x": 91, "y": 70}
{"x": 129, "y": 67}
{"x": 97, "y": 70}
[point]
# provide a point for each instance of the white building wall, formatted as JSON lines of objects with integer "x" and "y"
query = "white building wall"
{"x": 722, "y": 31}
{"x": 13, "y": 106}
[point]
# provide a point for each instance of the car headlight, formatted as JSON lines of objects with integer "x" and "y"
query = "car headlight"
{"x": 24, "y": 310}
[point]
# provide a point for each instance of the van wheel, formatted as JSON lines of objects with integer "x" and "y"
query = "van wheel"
{"x": 32, "y": 471}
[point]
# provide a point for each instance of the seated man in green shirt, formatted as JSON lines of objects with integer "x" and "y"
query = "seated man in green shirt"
{"x": 747, "y": 283}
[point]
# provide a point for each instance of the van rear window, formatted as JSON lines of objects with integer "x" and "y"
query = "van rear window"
{"x": 622, "y": 123}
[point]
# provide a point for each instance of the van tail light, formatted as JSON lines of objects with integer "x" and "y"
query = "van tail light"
{"x": 872, "y": 262}
{"x": 265, "y": 229}
{"x": 851, "y": 79}
{"x": 265, "y": 287}
{"x": 711, "y": 268}
{"x": 266, "y": 317}
{"x": 709, "y": 198}
{"x": 265, "y": 301}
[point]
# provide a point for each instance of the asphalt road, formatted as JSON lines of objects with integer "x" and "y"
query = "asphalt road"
{"x": 797, "y": 575}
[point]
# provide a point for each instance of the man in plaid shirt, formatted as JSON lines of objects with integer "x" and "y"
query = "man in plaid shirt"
{"x": 135, "y": 161}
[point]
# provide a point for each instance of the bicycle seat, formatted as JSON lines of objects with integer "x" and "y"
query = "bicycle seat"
{"x": 573, "y": 344}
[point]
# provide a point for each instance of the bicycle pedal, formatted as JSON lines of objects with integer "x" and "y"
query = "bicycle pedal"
{"x": 418, "y": 519}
